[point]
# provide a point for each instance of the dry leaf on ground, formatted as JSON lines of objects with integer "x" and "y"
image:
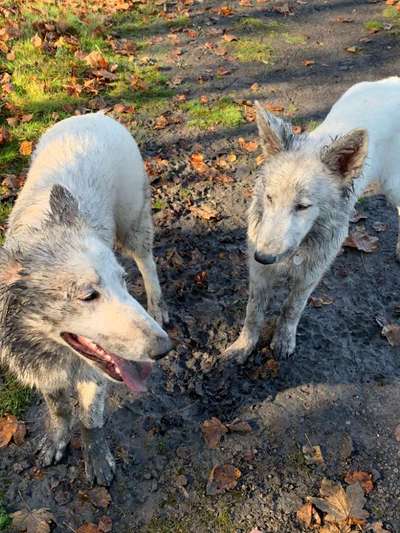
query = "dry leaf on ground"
{"x": 397, "y": 433}
{"x": 239, "y": 426}
{"x": 197, "y": 162}
{"x": 275, "y": 108}
{"x": 89, "y": 527}
{"x": 305, "y": 514}
{"x": 99, "y": 497}
{"x": 228, "y": 37}
{"x": 161, "y": 122}
{"x": 377, "y": 527}
{"x": 213, "y": 430}
{"x": 392, "y": 334}
{"x": 37, "y": 41}
{"x": 335, "y": 528}
{"x": 204, "y": 211}
{"x": 10, "y": 428}
{"x": 313, "y": 455}
{"x": 320, "y": 301}
{"x": 96, "y": 60}
{"x": 364, "y": 478}
{"x": 25, "y": 148}
{"x": 35, "y": 521}
{"x": 360, "y": 240}
{"x": 309, "y": 62}
{"x": 249, "y": 146}
{"x": 341, "y": 506}
{"x": 222, "y": 478}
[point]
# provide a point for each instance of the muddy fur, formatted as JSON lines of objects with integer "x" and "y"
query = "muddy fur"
{"x": 86, "y": 191}
{"x": 304, "y": 197}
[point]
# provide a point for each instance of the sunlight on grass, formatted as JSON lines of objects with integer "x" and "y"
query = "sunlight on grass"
{"x": 373, "y": 25}
{"x": 251, "y": 49}
{"x": 255, "y": 24}
{"x": 14, "y": 398}
{"x": 224, "y": 113}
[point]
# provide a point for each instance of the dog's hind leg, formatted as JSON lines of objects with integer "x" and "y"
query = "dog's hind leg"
{"x": 259, "y": 293}
{"x": 99, "y": 462}
{"x": 52, "y": 446}
{"x": 139, "y": 245}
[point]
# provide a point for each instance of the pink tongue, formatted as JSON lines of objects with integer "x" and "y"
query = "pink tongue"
{"x": 134, "y": 375}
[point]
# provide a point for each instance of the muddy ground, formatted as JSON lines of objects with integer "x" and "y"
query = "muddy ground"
{"x": 341, "y": 388}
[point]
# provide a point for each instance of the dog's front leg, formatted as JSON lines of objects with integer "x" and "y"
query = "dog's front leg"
{"x": 260, "y": 283}
{"x": 52, "y": 446}
{"x": 99, "y": 462}
{"x": 284, "y": 340}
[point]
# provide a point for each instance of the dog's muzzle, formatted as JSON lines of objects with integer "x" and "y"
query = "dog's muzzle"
{"x": 265, "y": 259}
{"x": 161, "y": 347}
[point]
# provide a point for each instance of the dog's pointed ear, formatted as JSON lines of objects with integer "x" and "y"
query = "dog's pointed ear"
{"x": 63, "y": 205}
{"x": 11, "y": 269}
{"x": 276, "y": 134}
{"x": 346, "y": 155}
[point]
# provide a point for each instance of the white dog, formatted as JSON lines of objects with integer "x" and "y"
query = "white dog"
{"x": 304, "y": 196}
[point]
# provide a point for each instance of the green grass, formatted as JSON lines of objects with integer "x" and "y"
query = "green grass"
{"x": 391, "y": 12}
{"x": 295, "y": 39}
{"x": 312, "y": 124}
{"x": 255, "y": 24}
{"x": 251, "y": 49}
{"x": 373, "y": 25}
{"x": 5, "y": 519}
{"x": 14, "y": 399}
{"x": 223, "y": 113}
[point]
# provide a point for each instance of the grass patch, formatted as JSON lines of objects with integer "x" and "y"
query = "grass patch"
{"x": 5, "y": 209}
{"x": 373, "y": 25}
{"x": 5, "y": 519}
{"x": 295, "y": 39}
{"x": 14, "y": 398}
{"x": 255, "y": 24}
{"x": 312, "y": 124}
{"x": 391, "y": 12}
{"x": 251, "y": 49}
{"x": 224, "y": 113}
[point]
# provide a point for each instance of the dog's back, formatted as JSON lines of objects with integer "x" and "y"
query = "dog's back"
{"x": 98, "y": 161}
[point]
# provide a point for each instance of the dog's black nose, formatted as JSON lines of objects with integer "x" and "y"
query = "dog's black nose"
{"x": 163, "y": 347}
{"x": 265, "y": 259}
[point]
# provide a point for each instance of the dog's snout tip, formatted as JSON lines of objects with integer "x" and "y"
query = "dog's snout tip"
{"x": 265, "y": 259}
{"x": 164, "y": 346}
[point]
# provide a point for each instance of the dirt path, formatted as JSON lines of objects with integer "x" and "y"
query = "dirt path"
{"x": 340, "y": 391}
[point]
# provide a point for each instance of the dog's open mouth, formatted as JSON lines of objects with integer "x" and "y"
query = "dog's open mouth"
{"x": 133, "y": 373}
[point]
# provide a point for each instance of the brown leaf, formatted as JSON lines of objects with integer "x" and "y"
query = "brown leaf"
{"x": 275, "y": 108}
{"x": 8, "y": 427}
{"x": 103, "y": 73}
{"x": 254, "y": 87}
{"x": 25, "y": 148}
{"x": 319, "y": 302}
{"x": 222, "y": 478}
{"x": 228, "y": 37}
{"x": 377, "y": 527}
{"x": 99, "y": 497}
{"x": 364, "y": 478}
{"x": 35, "y": 521}
{"x": 225, "y": 11}
{"x": 340, "y": 505}
{"x": 203, "y": 99}
{"x": 353, "y": 49}
{"x": 213, "y": 430}
{"x": 89, "y": 527}
{"x": 335, "y": 528}
{"x": 197, "y": 162}
{"x": 12, "y": 121}
{"x": 3, "y": 135}
{"x": 37, "y": 41}
{"x": 309, "y": 62}
{"x": 397, "y": 433}
{"x": 249, "y": 146}
{"x": 392, "y": 334}
{"x": 313, "y": 455}
{"x": 96, "y": 60}
{"x": 360, "y": 240}
{"x": 239, "y": 426}
{"x": 161, "y": 122}
{"x": 305, "y": 514}
{"x": 222, "y": 71}
{"x": 26, "y": 118}
{"x": 204, "y": 211}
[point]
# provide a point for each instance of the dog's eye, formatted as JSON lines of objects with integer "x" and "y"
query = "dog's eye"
{"x": 90, "y": 296}
{"x": 302, "y": 207}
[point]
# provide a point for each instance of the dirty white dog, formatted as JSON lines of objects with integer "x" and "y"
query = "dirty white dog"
{"x": 67, "y": 321}
{"x": 304, "y": 197}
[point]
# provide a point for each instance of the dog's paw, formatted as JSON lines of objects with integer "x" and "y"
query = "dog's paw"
{"x": 99, "y": 461}
{"x": 283, "y": 343}
{"x": 50, "y": 450}
{"x": 239, "y": 351}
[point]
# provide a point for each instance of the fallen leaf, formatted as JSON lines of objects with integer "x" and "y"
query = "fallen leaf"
{"x": 225, "y": 11}
{"x": 35, "y": 521}
{"x": 25, "y": 148}
{"x": 397, "y": 433}
{"x": 360, "y": 240}
{"x": 392, "y": 334}
{"x": 340, "y": 505}
{"x": 319, "y": 302}
{"x": 197, "y": 162}
{"x": 254, "y": 87}
{"x": 274, "y": 108}
{"x": 353, "y": 49}
{"x": 12, "y": 121}
{"x": 103, "y": 73}
{"x": 37, "y": 41}
{"x": 305, "y": 514}
{"x": 228, "y": 37}
{"x": 335, "y": 528}
{"x": 204, "y": 211}
{"x": 239, "y": 426}
{"x": 364, "y": 478}
{"x": 89, "y": 527}
{"x": 8, "y": 427}
{"x": 203, "y": 99}
{"x": 249, "y": 146}
{"x": 309, "y": 62}
{"x": 201, "y": 279}
{"x": 99, "y": 497}
{"x": 96, "y": 60}
{"x": 222, "y": 478}
{"x": 313, "y": 455}
{"x": 222, "y": 71}
{"x": 377, "y": 527}
{"x": 26, "y": 118}
{"x": 161, "y": 123}
{"x": 260, "y": 159}
{"x": 213, "y": 430}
